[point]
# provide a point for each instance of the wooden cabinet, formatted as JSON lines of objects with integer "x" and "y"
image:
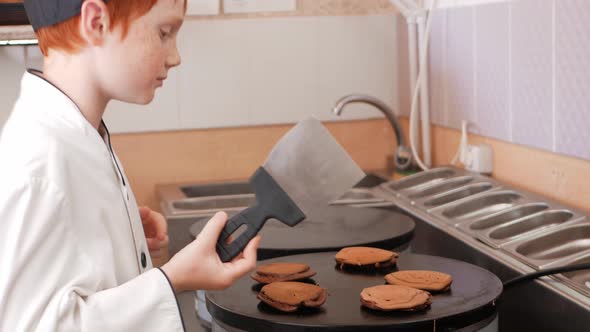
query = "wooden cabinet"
{"x": 12, "y": 12}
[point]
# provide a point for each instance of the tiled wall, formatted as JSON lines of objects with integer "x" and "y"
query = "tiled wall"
{"x": 519, "y": 70}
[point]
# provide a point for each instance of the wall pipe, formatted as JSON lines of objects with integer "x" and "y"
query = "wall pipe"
{"x": 424, "y": 93}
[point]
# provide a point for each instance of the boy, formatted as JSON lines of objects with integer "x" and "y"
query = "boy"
{"x": 73, "y": 251}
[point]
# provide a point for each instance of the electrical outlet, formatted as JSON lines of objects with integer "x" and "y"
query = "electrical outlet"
{"x": 202, "y": 7}
{"x": 479, "y": 158}
{"x": 254, "y": 6}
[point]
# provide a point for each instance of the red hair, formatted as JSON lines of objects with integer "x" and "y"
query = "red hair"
{"x": 65, "y": 36}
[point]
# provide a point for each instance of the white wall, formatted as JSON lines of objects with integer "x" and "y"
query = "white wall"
{"x": 11, "y": 70}
{"x": 256, "y": 71}
{"x": 268, "y": 71}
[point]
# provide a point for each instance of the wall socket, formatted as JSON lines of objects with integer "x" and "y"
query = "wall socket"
{"x": 254, "y": 6}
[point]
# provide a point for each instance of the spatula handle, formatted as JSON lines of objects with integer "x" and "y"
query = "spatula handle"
{"x": 253, "y": 218}
{"x": 271, "y": 202}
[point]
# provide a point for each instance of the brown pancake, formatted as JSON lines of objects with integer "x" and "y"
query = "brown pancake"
{"x": 365, "y": 257}
{"x": 288, "y": 296}
{"x": 426, "y": 280}
{"x": 274, "y": 272}
{"x": 394, "y": 297}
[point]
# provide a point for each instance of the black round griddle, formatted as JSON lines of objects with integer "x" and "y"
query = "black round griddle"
{"x": 332, "y": 228}
{"x": 471, "y": 299}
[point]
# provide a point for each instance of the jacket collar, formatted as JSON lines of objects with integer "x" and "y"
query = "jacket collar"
{"x": 42, "y": 96}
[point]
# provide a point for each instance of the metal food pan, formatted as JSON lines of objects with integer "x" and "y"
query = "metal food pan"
{"x": 479, "y": 206}
{"x": 473, "y": 227}
{"x": 527, "y": 226}
{"x": 455, "y": 195}
{"x": 442, "y": 186}
{"x": 422, "y": 180}
{"x": 553, "y": 246}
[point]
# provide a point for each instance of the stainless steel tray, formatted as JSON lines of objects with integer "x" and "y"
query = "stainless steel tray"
{"x": 478, "y": 226}
{"x": 442, "y": 187}
{"x": 470, "y": 190}
{"x": 473, "y": 227}
{"x": 421, "y": 181}
{"x": 527, "y": 226}
{"x": 552, "y": 247}
{"x": 478, "y": 206}
{"x": 535, "y": 230}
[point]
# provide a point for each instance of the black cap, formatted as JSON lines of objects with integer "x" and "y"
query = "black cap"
{"x": 44, "y": 13}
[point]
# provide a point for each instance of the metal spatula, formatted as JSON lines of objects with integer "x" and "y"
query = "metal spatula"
{"x": 306, "y": 169}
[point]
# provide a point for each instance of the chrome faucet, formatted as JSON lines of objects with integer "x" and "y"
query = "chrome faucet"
{"x": 403, "y": 155}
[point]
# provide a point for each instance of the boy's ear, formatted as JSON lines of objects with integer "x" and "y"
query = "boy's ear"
{"x": 94, "y": 21}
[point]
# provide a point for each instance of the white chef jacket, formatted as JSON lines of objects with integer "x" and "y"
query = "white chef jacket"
{"x": 73, "y": 255}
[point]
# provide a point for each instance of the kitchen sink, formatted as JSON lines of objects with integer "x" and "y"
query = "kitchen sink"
{"x": 240, "y": 188}
{"x": 215, "y": 203}
{"x": 189, "y": 200}
{"x": 217, "y": 189}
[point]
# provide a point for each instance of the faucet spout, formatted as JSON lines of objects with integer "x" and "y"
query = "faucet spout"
{"x": 403, "y": 156}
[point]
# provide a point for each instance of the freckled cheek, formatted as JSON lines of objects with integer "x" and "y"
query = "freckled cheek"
{"x": 143, "y": 52}
{"x": 153, "y": 59}
{"x": 142, "y": 69}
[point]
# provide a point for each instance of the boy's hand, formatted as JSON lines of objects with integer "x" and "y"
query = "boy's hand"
{"x": 198, "y": 266}
{"x": 156, "y": 231}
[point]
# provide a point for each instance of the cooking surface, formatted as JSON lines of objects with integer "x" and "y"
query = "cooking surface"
{"x": 472, "y": 293}
{"x": 332, "y": 228}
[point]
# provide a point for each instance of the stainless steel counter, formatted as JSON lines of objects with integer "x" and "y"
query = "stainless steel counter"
{"x": 455, "y": 214}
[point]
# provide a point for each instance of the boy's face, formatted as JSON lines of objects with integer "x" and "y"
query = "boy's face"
{"x": 130, "y": 70}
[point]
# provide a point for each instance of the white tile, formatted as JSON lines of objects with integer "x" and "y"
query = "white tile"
{"x": 160, "y": 114}
{"x": 532, "y": 77}
{"x": 573, "y": 78}
{"x": 437, "y": 68}
{"x": 283, "y": 73}
{"x": 213, "y": 79}
{"x": 11, "y": 71}
{"x": 492, "y": 79}
{"x": 460, "y": 66}
{"x": 358, "y": 54}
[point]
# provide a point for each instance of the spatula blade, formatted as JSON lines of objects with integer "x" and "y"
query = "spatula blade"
{"x": 311, "y": 166}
